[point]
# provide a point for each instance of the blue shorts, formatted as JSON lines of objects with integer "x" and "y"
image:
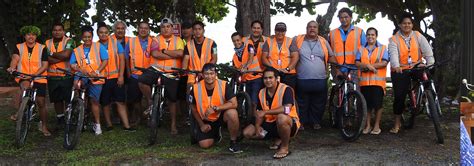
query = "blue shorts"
{"x": 253, "y": 87}
{"x": 93, "y": 90}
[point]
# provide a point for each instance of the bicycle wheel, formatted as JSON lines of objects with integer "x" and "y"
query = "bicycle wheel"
{"x": 353, "y": 115}
{"x": 74, "y": 123}
{"x": 154, "y": 118}
{"x": 244, "y": 107}
{"x": 332, "y": 107}
{"x": 430, "y": 107}
{"x": 22, "y": 122}
{"x": 194, "y": 128}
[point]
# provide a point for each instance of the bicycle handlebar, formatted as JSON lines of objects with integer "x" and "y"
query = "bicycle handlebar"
{"x": 345, "y": 66}
{"x": 469, "y": 87}
{"x": 185, "y": 71}
{"x": 78, "y": 75}
{"x": 17, "y": 73}
{"x": 235, "y": 70}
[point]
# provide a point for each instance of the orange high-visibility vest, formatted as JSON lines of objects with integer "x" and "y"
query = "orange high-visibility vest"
{"x": 113, "y": 64}
{"x": 94, "y": 58}
{"x": 167, "y": 64}
{"x": 195, "y": 61}
{"x": 30, "y": 64}
{"x": 254, "y": 66}
{"x": 404, "y": 53}
{"x": 127, "y": 39}
{"x": 345, "y": 52}
{"x": 322, "y": 41}
{"x": 203, "y": 101}
{"x": 52, "y": 68}
{"x": 277, "y": 102}
{"x": 258, "y": 51}
{"x": 370, "y": 78}
{"x": 137, "y": 56}
{"x": 279, "y": 58}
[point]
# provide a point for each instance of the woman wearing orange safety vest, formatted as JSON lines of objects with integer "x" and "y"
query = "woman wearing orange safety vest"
{"x": 406, "y": 48}
{"x": 91, "y": 59}
{"x": 372, "y": 59}
{"x": 31, "y": 57}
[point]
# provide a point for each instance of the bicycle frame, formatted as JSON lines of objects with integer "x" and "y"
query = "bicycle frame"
{"x": 418, "y": 86}
{"x": 344, "y": 87}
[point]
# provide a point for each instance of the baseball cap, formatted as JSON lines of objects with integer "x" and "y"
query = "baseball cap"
{"x": 281, "y": 27}
{"x": 166, "y": 21}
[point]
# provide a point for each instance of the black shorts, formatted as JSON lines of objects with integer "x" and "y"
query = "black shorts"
{"x": 40, "y": 88}
{"x": 373, "y": 96}
{"x": 133, "y": 91}
{"x": 59, "y": 89}
{"x": 183, "y": 81}
{"x": 111, "y": 92}
{"x": 271, "y": 128}
{"x": 171, "y": 85}
{"x": 215, "y": 130}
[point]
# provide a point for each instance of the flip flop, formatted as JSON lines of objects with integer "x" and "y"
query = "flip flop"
{"x": 395, "y": 130}
{"x": 376, "y": 132}
{"x": 277, "y": 155}
{"x": 367, "y": 130}
{"x": 13, "y": 117}
{"x": 46, "y": 134}
{"x": 274, "y": 147}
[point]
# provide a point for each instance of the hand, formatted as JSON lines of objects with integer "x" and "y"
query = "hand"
{"x": 398, "y": 69}
{"x": 258, "y": 130}
{"x": 421, "y": 65}
{"x": 92, "y": 74}
{"x": 11, "y": 70}
{"x": 25, "y": 77}
{"x": 260, "y": 114}
{"x": 120, "y": 81}
{"x": 243, "y": 70}
{"x": 371, "y": 68}
{"x": 206, "y": 128}
{"x": 209, "y": 111}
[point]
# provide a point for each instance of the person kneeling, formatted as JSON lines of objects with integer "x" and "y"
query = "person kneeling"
{"x": 276, "y": 115}
{"x": 214, "y": 102}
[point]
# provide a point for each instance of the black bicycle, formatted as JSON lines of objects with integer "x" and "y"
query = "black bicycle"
{"x": 423, "y": 97}
{"x": 347, "y": 106}
{"x": 27, "y": 111}
{"x": 244, "y": 102}
{"x": 76, "y": 111}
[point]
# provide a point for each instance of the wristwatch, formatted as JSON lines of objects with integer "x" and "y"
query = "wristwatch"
{"x": 163, "y": 51}
{"x": 287, "y": 69}
{"x": 214, "y": 108}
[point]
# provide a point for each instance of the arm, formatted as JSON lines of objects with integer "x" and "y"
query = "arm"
{"x": 294, "y": 58}
{"x": 65, "y": 54}
{"x": 103, "y": 64}
{"x": 185, "y": 61}
{"x": 214, "y": 58}
{"x": 426, "y": 50}
{"x": 265, "y": 60}
{"x": 214, "y": 53}
{"x": 53, "y": 60}
{"x": 231, "y": 104}
{"x": 44, "y": 66}
{"x": 14, "y": 62}
{"x": 394, "y": 56}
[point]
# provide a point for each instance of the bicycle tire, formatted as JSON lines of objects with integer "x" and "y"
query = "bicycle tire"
{"x": 193, "y": 128}
{"x": 434, "y": 116}
{"x": 22, "y": 122}
{"x": 244, "y": 107}
{"x": 332, "y": 108}
{"x": 360, "y": 114}
{"x": 154, "y": 119}
{"x": 74, "y": 124}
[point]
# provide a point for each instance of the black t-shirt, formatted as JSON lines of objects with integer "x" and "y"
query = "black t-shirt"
{"x": 44, "y": 55}
{"x": 287, "y": 98}
{"x": 199, "y": 48}
{"x": 229, "y": 93}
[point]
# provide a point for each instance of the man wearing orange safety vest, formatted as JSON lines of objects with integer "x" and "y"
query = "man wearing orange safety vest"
{"x": 406, "y": 48}
{"x": 213, "y": 102}
{"x": 91, "y": 59}
{"x": 372, "y": 59}
{"x": 256, "y": 39}
{"x": 277, "y": 54}
{"x": 31, "y": 57}
{"x": 167, "y": 53}
{"x": 276, "y": 117}
{"x": 245, "y": 59}
{"x": 60, "y": 48}
{"x": 345, "y": 42}
{"x": 199, "y": 51}
{"x": 119, "y": 28}
{"x": 314, "y": 52}
{"x": 114, "y": 88}
{"x": 138, "y": 53}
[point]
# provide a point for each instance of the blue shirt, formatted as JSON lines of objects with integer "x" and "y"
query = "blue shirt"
{"x": 103, "y": 54}
{"x": 119, "y": 47}
{"x": 363, "y": 38}
{"x": 385, "y": 56}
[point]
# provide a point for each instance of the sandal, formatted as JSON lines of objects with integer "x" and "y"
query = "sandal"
{"x": 13, "y": 117}
{"x": 376, "y": 132}
{"x": 367, "y": 130}
{"x": 395, "y": 130}
{"x": 281, "y": 155}
{"x": 274, "y": 147}
{"x": 46, "y": 133}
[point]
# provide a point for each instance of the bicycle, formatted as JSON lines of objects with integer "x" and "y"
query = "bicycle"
{"x": 75, "y": 111}
{"x": 423, "y": 96}
{"x": 27, "y": 111}
{"x": 244, "y": 102}
{"x": 347, "y": 106}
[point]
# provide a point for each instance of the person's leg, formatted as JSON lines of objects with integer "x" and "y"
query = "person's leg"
{"x": 249, "y": 132}
{"x": 400, "y": 89}
{"x": 284, "y": 123}
{"x": 378, "y": 107}
{"x": 318, "y": 99}
{"x": 171, "y": 94}
{"x": 41, "y": 103}
{"x": 367, "y": 93}
{"x": 231, "y": 118}
{"x": 206, "y": 144}
{"x": 122, "y": 111}
{"x": 303, "y": 102}
{"x": 105, "y": 101}
{"x": 94, "y": 98}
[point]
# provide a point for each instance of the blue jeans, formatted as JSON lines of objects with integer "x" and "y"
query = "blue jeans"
{"x": 253, "y": 87}
{"x": 311, "y": 97}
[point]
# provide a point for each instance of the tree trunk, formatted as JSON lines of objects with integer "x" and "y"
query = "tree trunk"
{"x": 325, "y": 21}
{"x": 186, "y": 11}
{"x": 250, "y": 10}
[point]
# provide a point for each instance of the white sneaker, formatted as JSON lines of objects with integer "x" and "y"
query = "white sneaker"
{"x": 97, "y": 129}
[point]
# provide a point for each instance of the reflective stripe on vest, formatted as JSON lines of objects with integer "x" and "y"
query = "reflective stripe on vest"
{"x": 203, "y": 101}
{"x": 254, "y": 66}
{"x": 342, "y": 50}
{"x": 94, "y": 59}
{"x": 30, "y": 64}
{"x": 277, "y": 102}
{"x": 275, "y": 55}
{"x": 137, "y": 58}
{"x": 322, "y": 42}
{"x": 52, "y": 68}
{"x": 113, "y": 63}
{"x": 167, "y": 64}
{"x": 196, "y": 61}
{"x": 370, "y": 78}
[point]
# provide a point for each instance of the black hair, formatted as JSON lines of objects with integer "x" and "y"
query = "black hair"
{"x": 198, "y": 23}
{"x": 235, "y": 34}
{"x": 186, "y": 25}
{"x": 144, "y": 22}
{"x": 345, "y": 10}
{"x": 209, "y": 66}
{"x": 402, "y": 17}
{"x": 87, "y": 28}
{"x": 372, "y": 28}
{"x": 58, "y": 24}
{"x": 271, "y": 69}
{"x": 100, "y": 25}
{"x": 257, "y": 22}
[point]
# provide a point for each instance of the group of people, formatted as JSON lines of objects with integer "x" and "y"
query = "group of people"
{"x": 295, "y": 73}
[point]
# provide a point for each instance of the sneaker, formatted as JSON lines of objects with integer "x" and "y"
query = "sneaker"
{"x": 97, "y": 129}
{"x": 130, "y": 129}
{"x": 235, "y": 147}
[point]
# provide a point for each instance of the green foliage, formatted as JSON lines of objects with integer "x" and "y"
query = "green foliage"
{"x": 30, "y": 29}
{"x": 293, "y": 6}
